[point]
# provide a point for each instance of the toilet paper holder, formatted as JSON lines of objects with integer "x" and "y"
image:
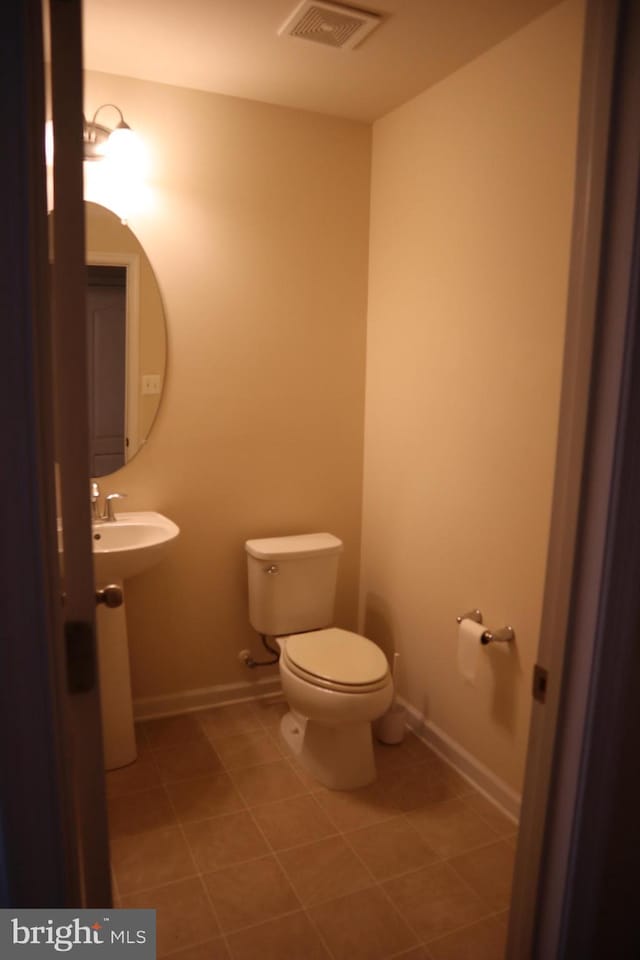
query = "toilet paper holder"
{"x": 503, "y": 635}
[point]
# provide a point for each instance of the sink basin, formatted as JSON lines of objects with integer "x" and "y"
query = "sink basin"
{"x": 130, "y": 544}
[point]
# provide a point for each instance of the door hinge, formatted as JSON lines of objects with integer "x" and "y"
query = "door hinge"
{"x": 540, "y": 677}
{"x": 81, "y": 663}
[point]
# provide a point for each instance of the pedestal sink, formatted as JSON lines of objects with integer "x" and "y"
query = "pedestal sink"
{"x": 122, "y": 548}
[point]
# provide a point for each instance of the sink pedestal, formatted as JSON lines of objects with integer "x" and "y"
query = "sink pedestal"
{"x": 124, "y": 547}
{"x": 118, "y": 731}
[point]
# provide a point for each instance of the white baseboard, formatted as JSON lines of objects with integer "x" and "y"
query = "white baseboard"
{"x": 465, "y": 763}
{"x": 147, "y": 708}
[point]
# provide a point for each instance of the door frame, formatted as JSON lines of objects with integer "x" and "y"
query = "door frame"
{"x": 132, "y": 340}
{"x": 69, "y": 324}
{"x": 560, "y": 880}
{"x": 38, "y": 840}
{"x": 53, "y": 826}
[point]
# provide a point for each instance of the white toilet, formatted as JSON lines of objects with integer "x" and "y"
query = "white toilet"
{"x": 335, "y": 682}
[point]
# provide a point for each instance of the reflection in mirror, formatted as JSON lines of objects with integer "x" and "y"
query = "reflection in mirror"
{"x": 126, "y": 341}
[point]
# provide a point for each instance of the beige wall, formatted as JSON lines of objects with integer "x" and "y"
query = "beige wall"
{"x": 257, "y": 229}
{"x": 470, "y": 229}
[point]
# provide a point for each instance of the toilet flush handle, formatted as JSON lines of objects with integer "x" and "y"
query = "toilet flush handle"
{"x": 272, "y": 570}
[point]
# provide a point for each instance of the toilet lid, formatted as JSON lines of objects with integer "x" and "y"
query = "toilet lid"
{"x": 338, "y": 656}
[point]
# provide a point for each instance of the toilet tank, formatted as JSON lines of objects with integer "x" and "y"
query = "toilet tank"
{"x": 292, "y": 582}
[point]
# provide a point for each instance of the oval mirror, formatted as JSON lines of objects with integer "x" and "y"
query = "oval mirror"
{"x": 126, "y": 341}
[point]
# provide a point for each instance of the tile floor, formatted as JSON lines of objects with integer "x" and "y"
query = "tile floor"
{"x": 243, "y": 856}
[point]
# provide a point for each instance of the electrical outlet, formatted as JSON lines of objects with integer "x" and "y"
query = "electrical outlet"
{"x": 150, "y": 383}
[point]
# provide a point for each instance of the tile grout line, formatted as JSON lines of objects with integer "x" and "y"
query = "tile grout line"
{"x": 501, "y": 836}
{"x": 285, "y": 872}
{"x": 195, "y": 863}
{"x": 203, "y": 884}
{"x": 379, "y": 885}
{"x": 289, "y": 881}
{"x": 472, "y": 849}
{"x": 340, "y": 831}
{"x": 463, "y": 926}
{"x": 263, "y": 730}
{"x": 247, "y": 809}
{"x": 421, "y": 940}
{"x": 243, "y": 800}
{"x": 300, "y": 793}
{"x": 468, "y": 885}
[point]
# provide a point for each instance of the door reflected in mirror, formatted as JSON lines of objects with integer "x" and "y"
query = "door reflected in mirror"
{"x": 126, "y": 342}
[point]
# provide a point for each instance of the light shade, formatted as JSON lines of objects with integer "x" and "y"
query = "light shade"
{"x": 115, "y": 169}
{"x": 95, "y": 136}
{"x": 117, "y": 181}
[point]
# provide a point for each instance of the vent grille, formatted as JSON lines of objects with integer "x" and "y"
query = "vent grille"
{"x": 331, "y": 24}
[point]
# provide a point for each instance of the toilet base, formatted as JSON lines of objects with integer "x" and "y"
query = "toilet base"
{"x": 341, "y": 758}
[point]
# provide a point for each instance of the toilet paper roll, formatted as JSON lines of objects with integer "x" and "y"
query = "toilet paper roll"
{"x": 469, "y": 647}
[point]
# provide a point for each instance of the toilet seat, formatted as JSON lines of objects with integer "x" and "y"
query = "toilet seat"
{"x": 336, "y": 660}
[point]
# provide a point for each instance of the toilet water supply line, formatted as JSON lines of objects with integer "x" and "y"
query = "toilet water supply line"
{"x": 245, "y": 655}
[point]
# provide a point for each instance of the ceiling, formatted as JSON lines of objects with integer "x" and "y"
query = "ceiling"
{"x": 232, "y": 47}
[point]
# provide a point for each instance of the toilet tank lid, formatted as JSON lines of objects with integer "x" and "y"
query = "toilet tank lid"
{"x": 301, "y": 545}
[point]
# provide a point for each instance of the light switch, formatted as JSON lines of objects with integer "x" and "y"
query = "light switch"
{"x": 150, "y": 383}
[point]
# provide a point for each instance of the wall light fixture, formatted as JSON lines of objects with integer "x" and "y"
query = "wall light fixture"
{"x": 118, "y": 181}
{"x": 100, "y": 141}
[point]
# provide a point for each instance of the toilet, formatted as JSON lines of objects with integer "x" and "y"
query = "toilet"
{"x": 336, "y": 682}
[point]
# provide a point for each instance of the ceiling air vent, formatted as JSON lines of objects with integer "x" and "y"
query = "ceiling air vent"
{"x": 330, "y": 23}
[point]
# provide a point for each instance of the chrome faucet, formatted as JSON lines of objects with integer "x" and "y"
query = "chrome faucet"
{"x": 107, "y": 515}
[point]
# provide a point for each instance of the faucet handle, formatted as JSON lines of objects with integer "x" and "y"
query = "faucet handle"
{"x": 94, "y": 495}
{"x": 108, "y": 504}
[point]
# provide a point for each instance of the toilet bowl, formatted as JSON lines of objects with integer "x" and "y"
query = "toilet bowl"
{"x": 336, "y": 682}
